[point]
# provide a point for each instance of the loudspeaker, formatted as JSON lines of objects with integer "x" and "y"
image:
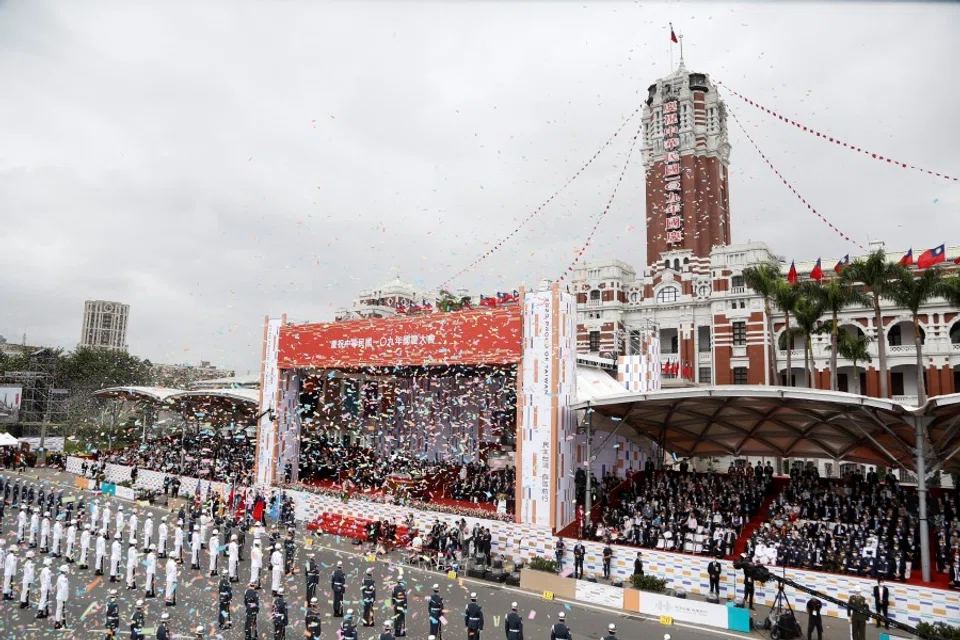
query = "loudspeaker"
{"x": 473, "y": 572}
{"x": 617, "y": 583}
{"x": 513, "y": 579}
{"x": 497, "y": 575}
{"x": 592, "y": 579}
{"x": 498, "y": 563}
{"x": 713, "y": 598}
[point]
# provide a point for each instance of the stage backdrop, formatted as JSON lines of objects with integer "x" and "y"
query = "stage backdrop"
{"x": 269, "y": 388}
{"x": 640, "y": 372}
{"x": 545, "y": 439}
{"x": 479, "y": 336}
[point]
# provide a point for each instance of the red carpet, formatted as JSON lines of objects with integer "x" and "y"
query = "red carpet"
{"x": 754, "y": 523}
{"x": 442, "y": 500}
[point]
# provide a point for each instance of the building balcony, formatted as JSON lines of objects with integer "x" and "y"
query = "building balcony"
{"x": 738, "y": 290}
{"x": 594, "y": 303}
{"x": 901, "y": 348}
{"x": 911, "y": 400}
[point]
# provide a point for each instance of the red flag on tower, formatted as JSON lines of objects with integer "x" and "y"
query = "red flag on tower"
{"x": 817, "y": 273}
{"x": 792, "y": 274}
{"x": 673, "y": 36}
{"x": 931, "y": 257}
{"x": 907, "y": 259}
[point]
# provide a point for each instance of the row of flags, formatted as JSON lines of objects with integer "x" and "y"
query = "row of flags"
{"x": 485, "y": 301}
{"x": 926, "y": 259}
{"x": 676, "y": 369}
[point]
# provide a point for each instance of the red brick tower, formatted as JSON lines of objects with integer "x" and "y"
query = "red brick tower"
{"x": 686, "y": 155}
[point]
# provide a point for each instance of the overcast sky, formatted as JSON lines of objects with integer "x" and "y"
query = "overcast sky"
{"x": 212, "y": 162}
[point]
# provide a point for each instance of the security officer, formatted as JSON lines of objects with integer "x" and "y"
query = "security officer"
{"x": 607, "y": 558}
{"x": 858, "y": 612}
{"x": 579, "y": 553}
{"x": 368, "y": 595}
{"x": 339, "y": 585}
{"x": 312, "y": 622}
{"x": 251, "y": 602}
{"x": 815, "y": 621}
{"x": 473, "y": 618}
{"x": 162, "y": 632}
{"x": 113, "y": 611}
{"x": 289, "y": 550}
{"x": 399, "y": 600}
{"x": 137, "y": 623}
{"x": 225, "y": 590}
{"x": 312, "y": 573}
{"x": 348, "y": 629}
{"x": 513, "y": 624}
{"x": 559, "y": 548}
{"x": 387, "y": 631}
{"x": 280, "y": 616}
{"x": 435, "y": 609}
{"x": 611, "y": 632}
{"x": 559, "y": 630}
{"x": 713, "y": 571}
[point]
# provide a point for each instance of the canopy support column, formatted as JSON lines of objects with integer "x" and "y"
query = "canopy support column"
{"x": 920, "y": 424}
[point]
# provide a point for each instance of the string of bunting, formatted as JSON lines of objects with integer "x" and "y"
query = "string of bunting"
{"x": 606, "y": 208}
{"x": 790, "y": 186}
{"x": 546, "y": 202}
{"x": 837, "y": 141}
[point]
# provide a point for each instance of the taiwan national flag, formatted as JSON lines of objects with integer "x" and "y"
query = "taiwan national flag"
{"x": 673, "y": 36}
{"x": 907, "y": 259}
{"x": 792, "y": 274}
{"x": 817, "y": 273}
{"x": 843, "y": 262}
{"x": 931, "y": 257}
{"x": 488, "y": 301}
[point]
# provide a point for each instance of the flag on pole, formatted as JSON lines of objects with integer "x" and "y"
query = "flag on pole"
{"x": 817, "y": 273}
{"x": 907, "y": 259}
{"x": 931, "y": 257}
{"x": 843, "y": 262}
{"x": 792, "y": 274}
{"x": 673, "y": 35}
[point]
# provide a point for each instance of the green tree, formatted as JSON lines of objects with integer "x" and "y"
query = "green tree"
{"x": 447, "y": 301}
{"x": 764, "y": 279}
{"x": 87, "y": 370}
{"x": 807, "y": 312}
{"x": 834, "y": 296}
{"x": 876, "y": 274}
{"x": 856, "y": 349}
{"x": 785, "y": 296}
{"x": 912, "y": 290}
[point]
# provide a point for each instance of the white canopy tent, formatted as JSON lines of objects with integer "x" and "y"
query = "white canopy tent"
{"x": 7, "y": 440}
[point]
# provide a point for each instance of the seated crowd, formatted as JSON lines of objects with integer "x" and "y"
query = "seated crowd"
{"x": 683, "y": 511}
{"x": 864, "y": 526}
{"x": 478, "y": 483}
{"x": 204, "y": 455}
{"x": 945, "y": 516}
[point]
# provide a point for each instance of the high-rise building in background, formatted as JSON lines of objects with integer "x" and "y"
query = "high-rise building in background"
{"x": 105, "y": 325}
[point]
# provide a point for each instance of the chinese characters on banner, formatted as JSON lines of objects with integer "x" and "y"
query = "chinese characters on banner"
{"x": 671, "y": 171}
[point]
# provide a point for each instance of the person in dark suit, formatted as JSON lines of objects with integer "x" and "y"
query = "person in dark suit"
{"x": 638, "y": 565}
{"x": 748, "y": 589}
{"x": 713, "y": 571}
{"x": 881, "y": 601}
{"x": 815, "y": 621}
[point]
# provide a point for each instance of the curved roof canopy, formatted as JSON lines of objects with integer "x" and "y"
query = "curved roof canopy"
{"x": 228, "y": 405}
{"x": 787, "y": 422}
{"x": 150, "y": 394}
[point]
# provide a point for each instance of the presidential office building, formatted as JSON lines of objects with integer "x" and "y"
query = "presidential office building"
{"x": 711, "y": 326}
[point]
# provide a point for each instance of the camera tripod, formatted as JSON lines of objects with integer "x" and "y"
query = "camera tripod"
{"x": 782, "y": 621}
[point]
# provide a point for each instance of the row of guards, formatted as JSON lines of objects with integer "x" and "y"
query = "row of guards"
{"x": 485, "y": 301}
{"x": 676, "y": 369}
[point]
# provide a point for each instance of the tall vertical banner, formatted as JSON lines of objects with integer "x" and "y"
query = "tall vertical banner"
{"x": 288, "y": 424}
{"x": 269, "y": 392}
{"x": 640, "y": 372}
{"x": 548, "y": 387}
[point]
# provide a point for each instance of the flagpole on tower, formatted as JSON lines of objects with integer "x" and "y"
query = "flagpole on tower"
{"x": 673, "y": 38}
{"x": 680, "y": 37}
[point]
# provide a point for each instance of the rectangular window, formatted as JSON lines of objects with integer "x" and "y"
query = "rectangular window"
{"x": 739, "y": 375}
{"x": 739, "y": 334}
{"x": 842, "y": 383}
{"x": 703, "y": 340}
{"x": 595, "y": 341}
{"x": 737, "y": 282}
{"x": 705, "y": 375}
{"x": 896, "y": 383}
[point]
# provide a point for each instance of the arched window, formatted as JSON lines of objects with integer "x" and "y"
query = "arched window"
{"x": 955, "y": 333}
{"x": 666, "y": 264}
{"x": 676, "y": 264}
{"x": 686, "y": 261}
{"x": 667, "y": 294}
{"x": 595, "y": 294}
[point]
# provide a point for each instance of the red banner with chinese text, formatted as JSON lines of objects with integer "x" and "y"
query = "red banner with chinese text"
{"x": 479, "y": 336}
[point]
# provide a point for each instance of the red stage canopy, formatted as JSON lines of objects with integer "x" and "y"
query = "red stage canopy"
{"x": 479, "y": 336}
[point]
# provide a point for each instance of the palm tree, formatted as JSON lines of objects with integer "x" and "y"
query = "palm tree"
{"x": 834, "y": 296}
{"x": 856, "y": 350}
{"x": 911, "y": 290}
{"x": 785, "y": 296}
{"x": 876, "y": 274}
{"x": 807, "y": 312}
{"x": 447, "y": 301}
{"x": 763, "y": 279}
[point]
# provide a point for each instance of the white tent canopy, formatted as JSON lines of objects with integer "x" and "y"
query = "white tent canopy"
{"x": 7, "y": 440}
